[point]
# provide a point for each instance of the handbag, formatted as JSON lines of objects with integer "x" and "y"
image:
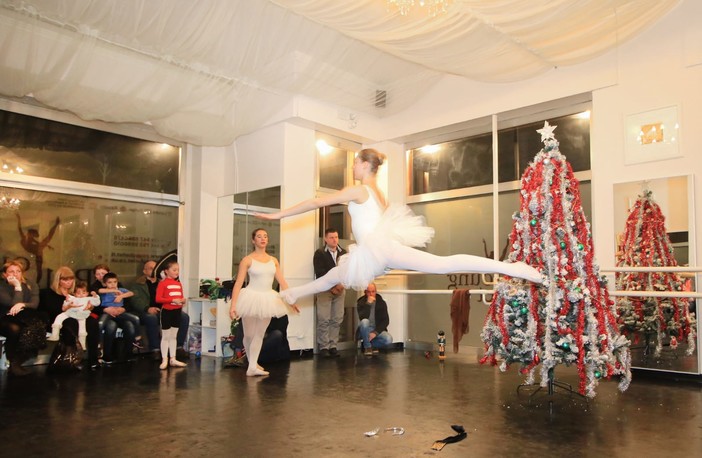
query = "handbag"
{"x": 67, "y": 355}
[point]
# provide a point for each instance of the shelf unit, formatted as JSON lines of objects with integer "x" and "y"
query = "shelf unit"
{"x": 212, "y": 326}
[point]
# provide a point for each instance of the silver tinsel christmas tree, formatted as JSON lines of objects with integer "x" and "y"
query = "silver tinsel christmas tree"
{"x": 569, "y": 319}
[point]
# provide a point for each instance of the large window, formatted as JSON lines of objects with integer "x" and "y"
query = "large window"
{"x": 49, "y": 149}
{"x": 450, "y": 178}
{"x": 467, "y": 162}
{"x": 52, "y": 230}
{"x": 334, "y": 171}
{"x": 88, "y": 196}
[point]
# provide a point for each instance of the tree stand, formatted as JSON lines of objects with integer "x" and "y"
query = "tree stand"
{"x": 551, "y": 387}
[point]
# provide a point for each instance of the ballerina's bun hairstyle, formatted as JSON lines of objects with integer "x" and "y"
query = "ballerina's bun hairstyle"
{"x": 374, "y": 157}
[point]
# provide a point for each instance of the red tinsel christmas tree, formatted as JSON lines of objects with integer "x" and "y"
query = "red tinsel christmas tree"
{"x": 569, "y": 319}
{"x": 645, "y": 243}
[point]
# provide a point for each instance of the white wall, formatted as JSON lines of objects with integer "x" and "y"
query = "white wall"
{"x": 203, "y": 184}
{"x": 654, "y": 72}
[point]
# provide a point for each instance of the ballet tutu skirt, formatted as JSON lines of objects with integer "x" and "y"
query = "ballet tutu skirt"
{"x": 260, "y": 304}
{"x": 258, "y": 299}
{"x": 368, "y": 258}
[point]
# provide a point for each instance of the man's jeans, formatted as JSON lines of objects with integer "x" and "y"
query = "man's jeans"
{"x": 383, "y": 339}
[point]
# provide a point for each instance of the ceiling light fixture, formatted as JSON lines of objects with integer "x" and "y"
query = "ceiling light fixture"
{"x": 7, "y": 202}
{"x": 433, "y": 7}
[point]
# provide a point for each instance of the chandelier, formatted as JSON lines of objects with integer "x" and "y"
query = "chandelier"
{"x": 8, "y": 202}
{"x": 433, "y": 7}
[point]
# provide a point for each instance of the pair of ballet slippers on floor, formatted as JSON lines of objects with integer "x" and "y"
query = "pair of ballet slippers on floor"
{"x": 173, "y": 363}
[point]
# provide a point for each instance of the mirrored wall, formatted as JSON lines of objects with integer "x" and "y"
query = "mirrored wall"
{"x": 654, "y": 227}
{"x": 236, "y": 223}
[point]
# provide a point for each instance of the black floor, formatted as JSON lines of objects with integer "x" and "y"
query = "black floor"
{"x": 322, "y": 407}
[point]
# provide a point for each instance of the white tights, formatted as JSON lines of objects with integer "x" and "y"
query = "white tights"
{"x": 254, "y": 330}
{"x": 168, "y": 342}
{"x": 407, "y": 258}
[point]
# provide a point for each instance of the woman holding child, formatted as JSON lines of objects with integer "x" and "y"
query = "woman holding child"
{"x": 20, "y": 323}
{"x": 55, "y": 301}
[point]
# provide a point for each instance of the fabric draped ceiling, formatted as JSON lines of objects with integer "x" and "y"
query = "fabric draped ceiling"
{"x": 207, "y": 71}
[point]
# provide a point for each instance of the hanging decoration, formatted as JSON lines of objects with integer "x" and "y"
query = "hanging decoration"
{"x": 645, "y": 243}
{"x": 569, "y": 319}
{"x": 433, "y": 7}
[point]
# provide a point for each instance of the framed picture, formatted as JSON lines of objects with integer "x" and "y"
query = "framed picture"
{"x": 652, "y": 136}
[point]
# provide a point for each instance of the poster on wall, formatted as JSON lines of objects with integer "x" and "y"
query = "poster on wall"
{"x": 652, "y": 136}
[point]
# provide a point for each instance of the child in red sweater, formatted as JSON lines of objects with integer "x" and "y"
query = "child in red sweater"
{"x": 169, "y": 293}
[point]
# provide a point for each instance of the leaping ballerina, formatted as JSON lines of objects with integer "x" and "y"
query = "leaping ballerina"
{"x": 385, "y": 236}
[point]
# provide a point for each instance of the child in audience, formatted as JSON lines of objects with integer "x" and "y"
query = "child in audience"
{"x": 80, "y": 304}
{"x": 99, "y": 284}
{"x": 114, "y": 315}
{"x": 169, "y": 294}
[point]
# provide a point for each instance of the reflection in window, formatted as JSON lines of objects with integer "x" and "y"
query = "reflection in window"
{"x": 462, "y": 226}
{"x": 467, "y": 162}
{"x": 51, "y": 149}
{"x": 245, "y": 204}
{"x": 90, "y": 231}
{"x": 519, "y": 145}
{"x": 334, "y": 160}
{"x": 458, "y": 164}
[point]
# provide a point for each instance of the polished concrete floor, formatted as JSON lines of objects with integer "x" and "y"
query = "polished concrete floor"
{"x": 322, "y": 407}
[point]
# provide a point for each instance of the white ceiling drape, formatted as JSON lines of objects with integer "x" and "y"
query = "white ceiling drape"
{"x": 207, "y": 71}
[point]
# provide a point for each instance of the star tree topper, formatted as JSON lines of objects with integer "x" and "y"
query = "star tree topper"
{"x": 547, "y": 132}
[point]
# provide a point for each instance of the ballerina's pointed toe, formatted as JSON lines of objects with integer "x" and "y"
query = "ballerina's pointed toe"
{"x": 256, "y": 373}
{"x": 529, "y": 273}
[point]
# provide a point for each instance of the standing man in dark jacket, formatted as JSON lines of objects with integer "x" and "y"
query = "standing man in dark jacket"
{"x": 373, "y": 321}
{"x": 330, "y": 304}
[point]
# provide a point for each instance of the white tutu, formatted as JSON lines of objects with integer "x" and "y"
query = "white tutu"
{"x": 367, "y": 259}
{"x": 260, "y": 304}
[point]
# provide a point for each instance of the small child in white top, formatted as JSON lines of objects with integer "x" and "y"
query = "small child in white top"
{"x": 79, "y": 308}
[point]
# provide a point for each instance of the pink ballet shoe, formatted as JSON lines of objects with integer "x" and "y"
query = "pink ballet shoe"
{"x": 175, "y": 363}
{"x": 256, "y": 373}
{"x": 288, "y": 297}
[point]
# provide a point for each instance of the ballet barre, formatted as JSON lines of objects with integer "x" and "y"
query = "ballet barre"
{"x": 483, "y": 277}
{"x": 484, "y": 293}
{"x": 650, "y": 269}
{"x": 675, "y": 294}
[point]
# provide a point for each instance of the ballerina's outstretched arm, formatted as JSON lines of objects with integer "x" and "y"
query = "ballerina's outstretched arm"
{"x": 355, "y": 193}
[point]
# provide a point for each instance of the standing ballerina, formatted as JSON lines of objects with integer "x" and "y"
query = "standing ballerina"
{"x": 385, "y": 236}
{"x": 258, "y": 302}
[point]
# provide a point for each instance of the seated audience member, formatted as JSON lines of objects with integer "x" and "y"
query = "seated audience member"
{"x": 143, "y": 304}
{"x": 275, "y": 343}
{"x": 99, "y": 271}
{"x": 115, "y": 315}
{"x": 53, "y": 302}
{"x": 22, "y": 325}
{"x": 373, "y": 321}
{"x": 78, "y": 308}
